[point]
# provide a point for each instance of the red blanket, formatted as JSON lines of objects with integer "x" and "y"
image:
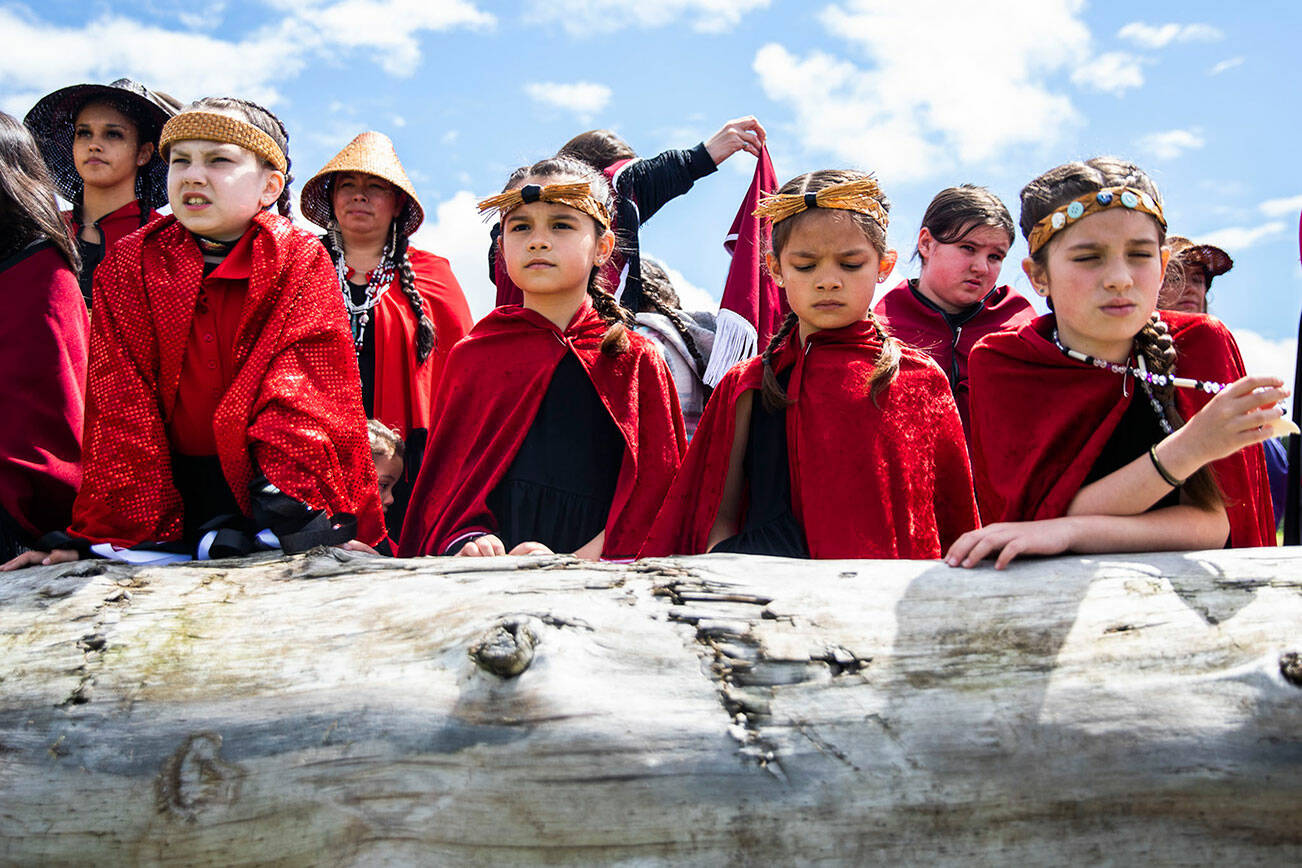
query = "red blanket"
{"x": 404, "y": 390}
{"x": 1040, "y": 421}
{"x": 294, "y": 407}
{"x": 492, "y": 387}
{"x": 43, "y": 339}
{"x": 866, "y": 481}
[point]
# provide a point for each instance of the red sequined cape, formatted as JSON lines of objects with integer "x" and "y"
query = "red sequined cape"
{"x": 404, "y": 390}
{"x": 866, "y": 481}
{"x": 494, "y": 384}
{"x": 43, "y": 340}
{"x": 919, "y": 325}
{"x": 294, "y": 406}
{"x": 1041, "y": 419}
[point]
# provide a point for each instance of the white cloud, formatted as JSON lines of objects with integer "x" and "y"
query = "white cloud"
{"x": 592, "y": 17}
{"x": 1170, "y": 144}
{"x": 690, "y": 296}
{"x": 1237, "y": 238}
{"x": 455, "y": 230}
{"x": 1266, "y": 357}
{"x": 910, "y": 113}
{"x": 583, "y": 98}
{"x": 1162, "y": 35}
{"x": 1225, "y": 65}
{"x": 40, "y": 56}
{"x": 1285, "y": 207}
{"x": 1114, "y": 72}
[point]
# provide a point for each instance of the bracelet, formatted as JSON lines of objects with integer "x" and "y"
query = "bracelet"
{"x": 1162, "y": 471}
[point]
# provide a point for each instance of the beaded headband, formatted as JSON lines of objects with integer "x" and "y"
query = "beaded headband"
{"x": 214, "y": 127}
{"x": 577, "y": 195}
{"x": 862, "y": 196}
{"x": 1091, "y": 203}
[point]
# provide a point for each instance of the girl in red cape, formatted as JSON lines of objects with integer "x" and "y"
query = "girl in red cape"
{"x": 559, "y": 428}
{"x": 43, "y": 339}
{"x": 223, "y": 409}
{"x": 1079, "y": 438}
{"x": 839, "y": 442}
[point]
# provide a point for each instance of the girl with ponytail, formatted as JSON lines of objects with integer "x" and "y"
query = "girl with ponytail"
{"x": 559, "y": 427}
{"x": 1105, "y": 425}
{"x": 839, "y": 441}
{"x": 405, "y": 307}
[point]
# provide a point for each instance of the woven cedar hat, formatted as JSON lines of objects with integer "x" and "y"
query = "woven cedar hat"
{"x": 52, "y": 122}
{"x": 372, "y": 153}
{"x": 1209, "y": 256}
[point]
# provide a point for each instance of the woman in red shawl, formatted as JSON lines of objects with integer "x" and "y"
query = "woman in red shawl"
{"x": 223, "y": 410}
{"x": 839, "y": 442}
{"x": 1079, "y": 439}
{"x": 43, "y": 340}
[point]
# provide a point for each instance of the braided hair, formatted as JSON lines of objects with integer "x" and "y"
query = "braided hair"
{"x": 562, "y": 168}
{"x": 888, "y": 358}
{"x": 264, "y": 120}
{"x": 659, "y": 293}
{"x": 1153, "y": 341}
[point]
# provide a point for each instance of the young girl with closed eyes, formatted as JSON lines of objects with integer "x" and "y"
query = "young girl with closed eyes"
{"x": 1079, "y": 434}
{"x": 839, "y": 442}
{"x": 560, "y": 429}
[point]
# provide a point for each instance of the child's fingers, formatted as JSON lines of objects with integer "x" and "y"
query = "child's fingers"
{"x": 26, "y": 559}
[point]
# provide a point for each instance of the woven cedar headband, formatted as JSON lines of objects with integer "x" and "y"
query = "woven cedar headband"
{"x": 214, "y": 127}
{"x": 1091, "y": 203}
{"x": 577, "y": 195}
{"x": 862, "y": 196}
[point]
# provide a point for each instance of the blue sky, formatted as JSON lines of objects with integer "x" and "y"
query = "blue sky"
{"x": 927, "y": 93}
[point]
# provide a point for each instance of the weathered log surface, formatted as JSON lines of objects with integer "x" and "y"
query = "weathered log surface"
{"x": 335, "y": 708}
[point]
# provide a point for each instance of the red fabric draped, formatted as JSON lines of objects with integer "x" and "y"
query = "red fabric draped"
{"x": 1040, "y": 421}
{"x": 404, "y": 390}
{"x": 867, "y": 481}
{"x": 43, "y": 345}
{"x": 749, "y": 290}
{"x": 491, "y": 391}
{"x": 294, "y": 406}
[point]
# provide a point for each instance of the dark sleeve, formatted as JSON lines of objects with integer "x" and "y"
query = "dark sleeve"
{"x": 654, "y": 181}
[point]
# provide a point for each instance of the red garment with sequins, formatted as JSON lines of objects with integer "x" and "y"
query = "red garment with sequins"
{"x": 868, "y": 480}
{"x": 43, "y": 338}
{"x": 495, "y": 382}
{"x": 293, "y": 407}
{"x": 1041, "y": 419}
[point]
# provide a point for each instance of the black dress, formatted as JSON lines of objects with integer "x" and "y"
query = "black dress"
{"x": 366, "y": 355}
{"x": 1138, "y": 430}
{"x": 560, "y": 485}
{"x": 770, "y": 526}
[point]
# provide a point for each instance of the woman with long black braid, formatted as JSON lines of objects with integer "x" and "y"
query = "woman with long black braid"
{"x": 405, "y": 306}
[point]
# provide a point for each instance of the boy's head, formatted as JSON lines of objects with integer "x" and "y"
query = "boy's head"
{"x": 227, "y": 160}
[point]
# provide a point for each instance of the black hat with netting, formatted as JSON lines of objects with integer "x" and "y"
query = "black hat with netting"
{"x": 52, "y": 122}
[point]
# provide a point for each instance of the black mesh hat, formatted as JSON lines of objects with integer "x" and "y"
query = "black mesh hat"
{"x": 52, "y": 120}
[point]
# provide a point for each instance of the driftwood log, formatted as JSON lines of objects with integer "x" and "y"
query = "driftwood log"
{"x": 334, "y": 708}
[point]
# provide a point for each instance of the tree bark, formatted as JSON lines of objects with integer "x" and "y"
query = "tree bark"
{"x": 346, "y": 709}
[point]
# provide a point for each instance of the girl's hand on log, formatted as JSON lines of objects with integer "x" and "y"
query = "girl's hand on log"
{"x": 485, "y": 546}
{"x": 1009, "y": 539}
{"x": 33, "y": 558}
{"x": 356, "y": 545}
{"x": 591, "y": 550}
{"x": 1235, "y": 418}
{"x": 531, "y": 548}
{"x": 741, "y": 134}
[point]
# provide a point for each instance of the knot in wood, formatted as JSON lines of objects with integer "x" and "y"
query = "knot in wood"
{"x": 1290, "y": 666}
{"x": 196, "y": 778}
{"x": 506, "y": 648}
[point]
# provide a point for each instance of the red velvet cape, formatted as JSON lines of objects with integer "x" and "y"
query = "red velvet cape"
{"x": 404, "y": 390}
{"x": 43, "y": 341}
{"x": 866, "y": 481}
{"x": 493, "y": 386}
{"x": 294, "y": 406}
{"x": 1040, "y": 421}
{"x": 924, "y": 327}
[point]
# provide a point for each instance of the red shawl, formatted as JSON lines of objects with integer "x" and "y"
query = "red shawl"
{"x": 1040, "y": 421}
{"x": 43, "y": 340}
{"x": 866, "y": 481}
{"x": 495, "y": 382}
{"x": 294, "y": 406}
{"x": 404, "y": 390}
